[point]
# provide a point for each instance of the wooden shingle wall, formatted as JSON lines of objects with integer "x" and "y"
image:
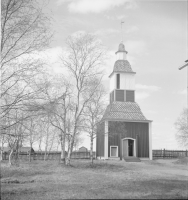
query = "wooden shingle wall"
{"x": 120, "y": 130}
{"x": 100, "y": 140}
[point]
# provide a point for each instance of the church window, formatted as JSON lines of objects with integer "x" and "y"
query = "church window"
{"x": 113, "y": 151}
{"x": 117, "y": 81}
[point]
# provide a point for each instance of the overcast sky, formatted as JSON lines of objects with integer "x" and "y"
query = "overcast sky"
{"x": 155, "y": 36}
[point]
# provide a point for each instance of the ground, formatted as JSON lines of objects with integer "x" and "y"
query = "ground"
{"x": 104, "y": 180}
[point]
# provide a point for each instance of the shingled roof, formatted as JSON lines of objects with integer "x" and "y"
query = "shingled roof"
{"x": 122, "y": 66}
{"x": 126, "y": 111}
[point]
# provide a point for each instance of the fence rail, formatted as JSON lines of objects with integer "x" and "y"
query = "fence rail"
{"x": 50, "y": 155}
{"x": 163, "y": 153}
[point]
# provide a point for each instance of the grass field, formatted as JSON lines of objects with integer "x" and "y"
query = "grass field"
{"x": 104, "y": 180}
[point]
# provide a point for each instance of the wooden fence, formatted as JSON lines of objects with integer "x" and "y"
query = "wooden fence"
{"x": 163, "y": 153}
{"x": 50, "y": 155}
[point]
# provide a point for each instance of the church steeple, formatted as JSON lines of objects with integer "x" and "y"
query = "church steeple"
{"x": 122, "y": 79}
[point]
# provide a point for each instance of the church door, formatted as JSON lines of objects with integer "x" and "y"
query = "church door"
{"x": 125, "y": 148}
{"x": 128, "y": 148}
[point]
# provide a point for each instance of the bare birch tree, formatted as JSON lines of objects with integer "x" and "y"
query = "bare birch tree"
{"x": 59, "y": 98}
{"x": 15, "y": 136}
{"x": 3, "y": 140}
{"x": 24, "y": 33}
{"x": 85, "y": 56}
{"x": 60, "y": 120}
{"x": 181, "y": 126}
{"x": 93, "y": 113}
{"x": 55, "y": 106}
{"x": 32, "y": 130}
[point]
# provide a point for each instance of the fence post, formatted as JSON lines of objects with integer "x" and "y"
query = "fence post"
{"x": 164, "y": 153}
{"x": 186, "y": 153}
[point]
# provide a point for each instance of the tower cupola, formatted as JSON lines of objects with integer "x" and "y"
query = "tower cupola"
{"x": 122, "y": 78}
{"x": 121, "y": 53}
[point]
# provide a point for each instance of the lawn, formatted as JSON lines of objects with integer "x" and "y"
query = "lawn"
{"x": 104, "y": 180}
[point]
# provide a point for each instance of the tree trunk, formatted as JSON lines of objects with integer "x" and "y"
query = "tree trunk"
{"x": 29, "y": 156}
{"x": 62, "y": 156}
{"x": 70, "y": 147}
{"x": 68, "y": 158}
{"x": 91, "y": 150}
{"x": 71, "y": 144}
{"x": 63, "y": 149}
{"x": 17, "y": 158}
{"x": 1, "y": 158}
{"x": 30, "y": 152}
{"x": 10, "y": 157}
{"x": 2, "y": 146}
{"x": 45, "y": 153}
{"x": 40, "y": 141}
{"x": 17, "y": 153}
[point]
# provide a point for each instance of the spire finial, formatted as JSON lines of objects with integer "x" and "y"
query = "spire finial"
{"x": 122, "y": 30}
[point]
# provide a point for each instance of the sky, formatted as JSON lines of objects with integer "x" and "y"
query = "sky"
{"x": 155, "y": 34}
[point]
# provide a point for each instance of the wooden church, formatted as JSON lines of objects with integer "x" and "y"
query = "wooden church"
{"x": 124, "y": 132}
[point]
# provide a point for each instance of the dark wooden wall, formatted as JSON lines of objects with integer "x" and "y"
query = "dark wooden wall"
{"x": 120, "y": 130}
{"x": 100, "y": 140}
{"x": 122, "y": 95}
{"x": 112, "y": 96}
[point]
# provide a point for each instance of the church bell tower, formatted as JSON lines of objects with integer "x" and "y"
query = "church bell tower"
{"x": 124, "y": 132}
{"x": 122, "y": 79}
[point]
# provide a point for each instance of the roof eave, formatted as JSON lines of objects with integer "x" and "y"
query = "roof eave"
{"x": 125, "y": 120}
{"x": 121, "y": 72}
{"x": 121, "y": 51}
